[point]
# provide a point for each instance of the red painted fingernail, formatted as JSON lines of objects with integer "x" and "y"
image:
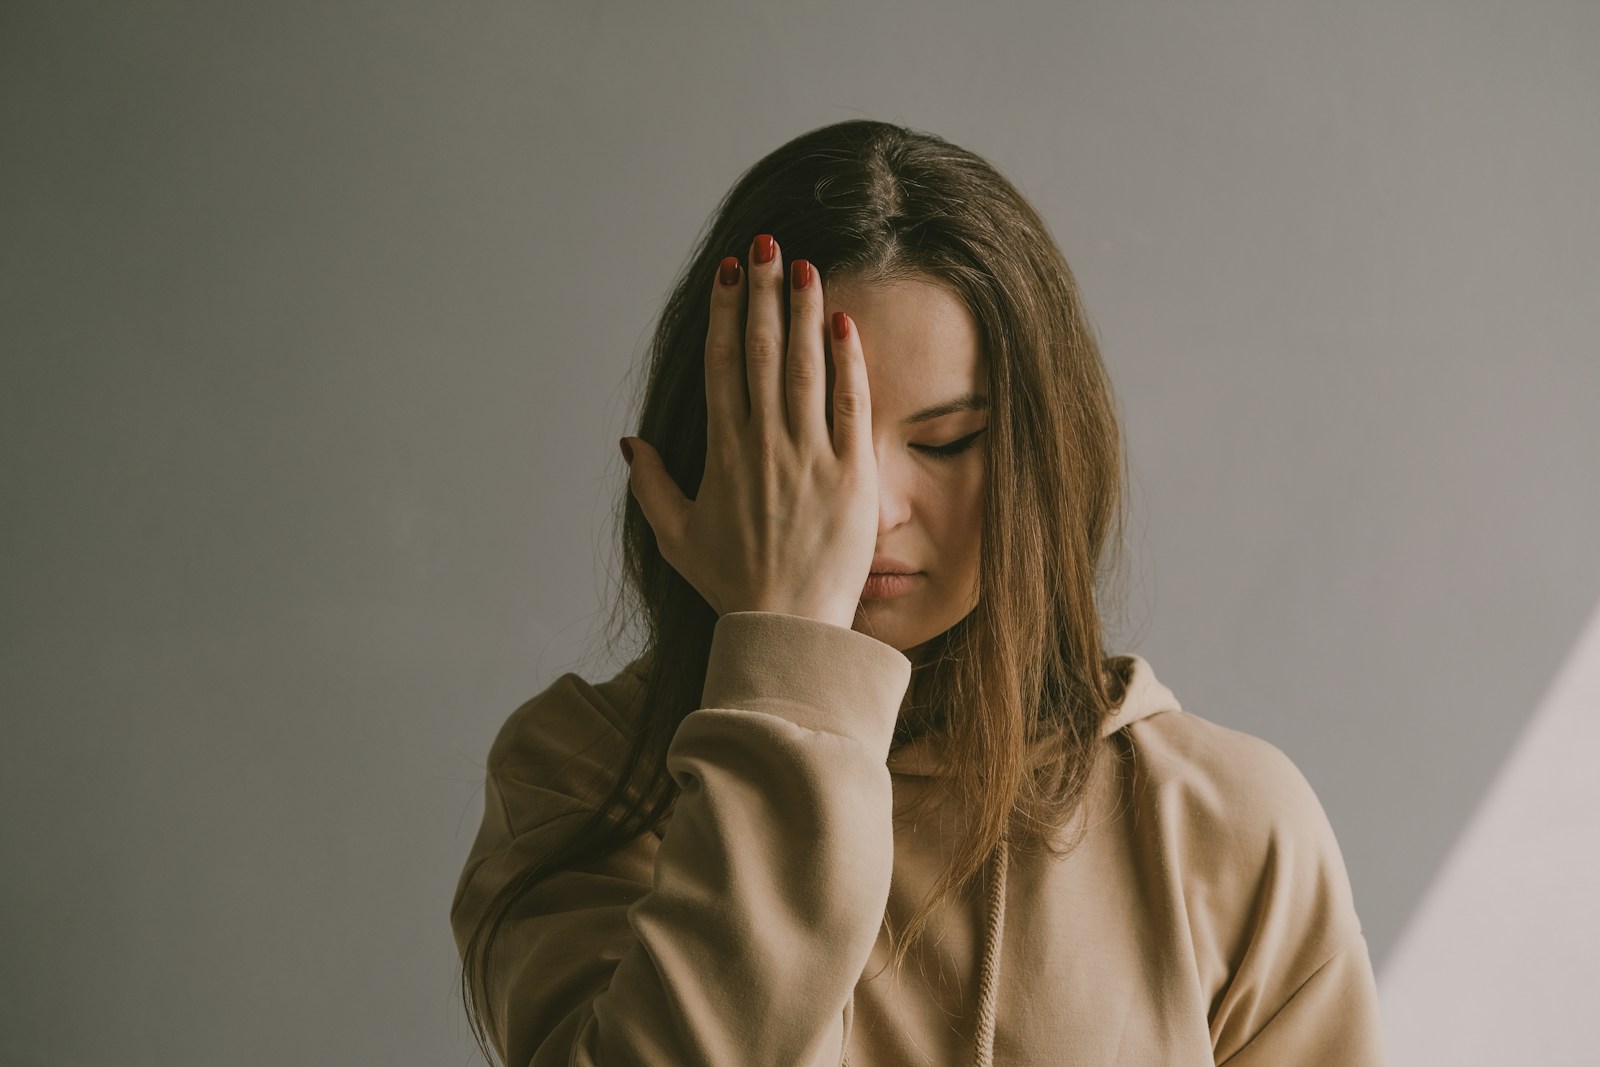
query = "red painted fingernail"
{"x": 800, "y": 271}
{"x": 729, "y": 273}
{"x": 766, "y": 248}
{"x": 841, "y": 326}
{"x": 627, "y": 451}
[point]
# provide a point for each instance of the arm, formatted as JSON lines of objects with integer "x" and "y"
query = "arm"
{"x": 1302, "y": 989}
{"x": 1332, "y": 1018}
{"x": 739, "y": 936}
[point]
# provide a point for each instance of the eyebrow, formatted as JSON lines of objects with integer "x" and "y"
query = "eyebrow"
{"x": 965, "y": 402}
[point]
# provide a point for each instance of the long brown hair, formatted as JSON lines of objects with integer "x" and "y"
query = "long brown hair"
{"x": 1024, "y": 672}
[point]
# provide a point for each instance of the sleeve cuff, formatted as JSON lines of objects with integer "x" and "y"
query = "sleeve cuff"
{"x": 813, "y": 673}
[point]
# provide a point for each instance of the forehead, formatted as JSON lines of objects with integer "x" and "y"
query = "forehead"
{"x": 920, "y": 341}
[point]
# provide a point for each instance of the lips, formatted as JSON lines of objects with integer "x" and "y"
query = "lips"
{"x": 890, "y": 565}
{"x": 885, "y": 586}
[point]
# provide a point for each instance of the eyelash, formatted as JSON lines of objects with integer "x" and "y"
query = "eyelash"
{"x": 954, "y": 448}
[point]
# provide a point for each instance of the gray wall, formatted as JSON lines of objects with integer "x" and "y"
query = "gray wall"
{"x": 319, "y": 324}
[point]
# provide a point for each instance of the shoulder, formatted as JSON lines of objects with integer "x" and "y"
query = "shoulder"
{"x": 1245, "y": 830}
{"x": 1260, "y": 886}
{"x": 1244, "y": 785}
{"x": 564, "y": 739}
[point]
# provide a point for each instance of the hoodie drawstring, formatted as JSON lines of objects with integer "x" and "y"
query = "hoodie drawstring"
{"x": 990, "y": 972}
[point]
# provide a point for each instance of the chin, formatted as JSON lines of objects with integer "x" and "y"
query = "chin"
{"x": 883, "y": 619}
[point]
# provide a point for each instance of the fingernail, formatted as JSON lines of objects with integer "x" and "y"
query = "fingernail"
{"x": 729, "y": 274}
{"x": 766, "y": 248}
{"x": 800, "y": 272}
{"x": 627, "y": 451}
{"x": 841, "y": 326}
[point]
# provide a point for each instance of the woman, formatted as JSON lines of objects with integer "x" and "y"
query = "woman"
{"x": 873, "y": 396}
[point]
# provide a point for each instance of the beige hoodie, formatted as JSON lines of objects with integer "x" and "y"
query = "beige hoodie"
{"x": 1206, "y": 918}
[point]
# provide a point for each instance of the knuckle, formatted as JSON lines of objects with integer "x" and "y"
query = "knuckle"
{"x": 802, "y": 371}
{"x": 762, "y": 348}
{"x": 767, "y": 449}
{"x": 721, "y": 352}
{"x": 849, "y": 402}
{"x": 722, "y": 455}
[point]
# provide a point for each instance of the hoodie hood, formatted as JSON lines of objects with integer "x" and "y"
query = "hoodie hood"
{"x": 1143, "y": 697}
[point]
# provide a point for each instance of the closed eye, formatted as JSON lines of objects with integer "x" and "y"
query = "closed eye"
{"x": 954, "y": 448}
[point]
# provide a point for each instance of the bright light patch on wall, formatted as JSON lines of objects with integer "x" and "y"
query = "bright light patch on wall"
{"x": 1498, "y": 965}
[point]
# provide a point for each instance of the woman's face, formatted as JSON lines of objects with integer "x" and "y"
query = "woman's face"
{"x": 922, "y": 353}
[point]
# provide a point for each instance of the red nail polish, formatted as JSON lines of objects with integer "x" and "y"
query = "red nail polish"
{"x": 800, "y": 270}
{"x": 841, "y": 326}
{"x": 729, "y": 273}
{"x": 766, "y": 248}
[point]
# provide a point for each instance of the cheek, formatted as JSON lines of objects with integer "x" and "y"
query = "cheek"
{"x": 961, "y": 516}
{"x": 974, "y": 525}
{"x": 970, "y": 492}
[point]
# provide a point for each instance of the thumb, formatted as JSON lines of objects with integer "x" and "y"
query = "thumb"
{"x": 659, "y": 497}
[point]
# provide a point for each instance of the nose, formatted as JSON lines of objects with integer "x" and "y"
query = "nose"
{"x": 894, "y": 483}
{"x": 894, "y": 488}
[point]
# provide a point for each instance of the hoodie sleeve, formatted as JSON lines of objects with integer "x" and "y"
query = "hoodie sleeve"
{"x": 739, "y": 936}
{"x": 1332, "y": 1019}
{"x": 1301, "y": 988}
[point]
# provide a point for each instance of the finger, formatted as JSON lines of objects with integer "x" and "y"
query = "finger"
{"x": 851, "y": 400}
{"x": 663, "y": 503}
{"x": 726, "y": 407}
{"x": 805, "y": 367}
{"x": 763, "y": 336}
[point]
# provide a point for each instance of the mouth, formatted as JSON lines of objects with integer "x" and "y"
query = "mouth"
{"x": 881, "y": 585}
